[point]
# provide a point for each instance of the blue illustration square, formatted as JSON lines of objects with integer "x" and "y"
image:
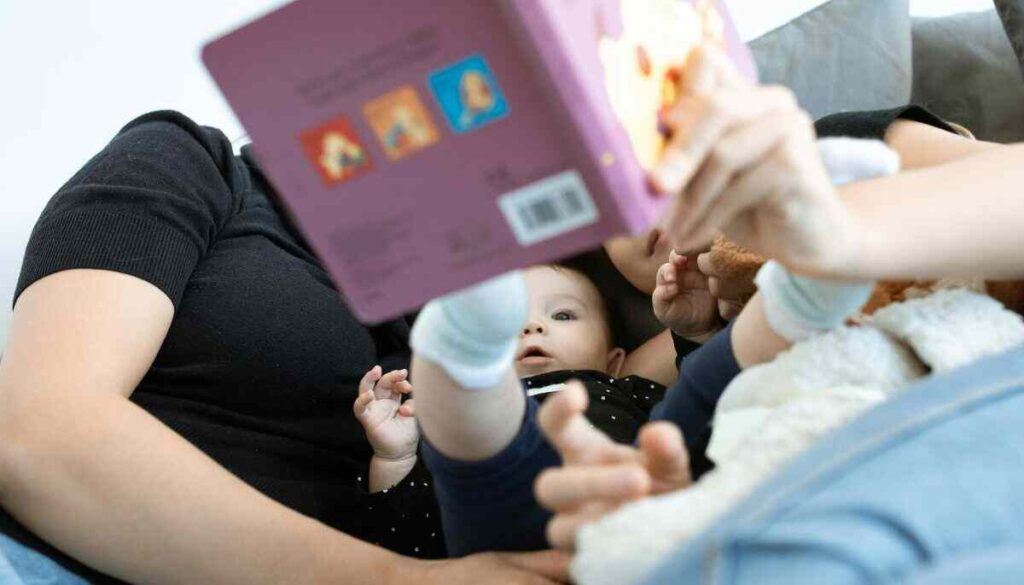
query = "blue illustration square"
{"x": 468, "y": 94}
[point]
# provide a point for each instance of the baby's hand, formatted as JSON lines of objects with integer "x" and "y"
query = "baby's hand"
{"x": 389, "y": 423}
{"x": 681, "y": 299}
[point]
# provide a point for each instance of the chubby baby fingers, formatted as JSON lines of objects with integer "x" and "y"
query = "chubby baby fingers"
{"x": 408, "y": 408}
{"x": 362, "y": 401}
{"x": 569, "y": 488}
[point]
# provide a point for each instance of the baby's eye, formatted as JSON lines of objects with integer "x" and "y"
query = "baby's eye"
{"x": 564, "y": 316}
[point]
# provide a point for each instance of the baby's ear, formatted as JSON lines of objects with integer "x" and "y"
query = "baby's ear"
{"x": 616, "y": 357}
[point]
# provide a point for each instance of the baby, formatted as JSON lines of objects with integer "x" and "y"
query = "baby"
{"x": 559, "y": 330}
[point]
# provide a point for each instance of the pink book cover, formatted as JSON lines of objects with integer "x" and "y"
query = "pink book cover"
{"x": 423, "y": 146}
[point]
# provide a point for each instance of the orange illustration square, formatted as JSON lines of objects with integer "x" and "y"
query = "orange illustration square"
{"x": 336, "y": 151}
{"x": 401, "y": 122}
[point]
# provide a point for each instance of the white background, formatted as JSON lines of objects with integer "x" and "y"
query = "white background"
{"x": 73, "y": 72}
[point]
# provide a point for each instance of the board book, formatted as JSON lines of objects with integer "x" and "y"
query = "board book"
{"x": 425, "y": 145}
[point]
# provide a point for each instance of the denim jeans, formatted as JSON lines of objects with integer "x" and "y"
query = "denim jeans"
{"x": 926, "y": 488}
{"x": 23, "y": 566}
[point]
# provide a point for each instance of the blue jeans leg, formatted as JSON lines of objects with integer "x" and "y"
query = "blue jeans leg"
{"x": 929, "y": 484}
{"x": 23, "y": 566}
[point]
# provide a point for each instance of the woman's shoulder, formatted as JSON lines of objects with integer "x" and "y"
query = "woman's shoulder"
{"x": 162, "y": 189}
{"x": 160, "y": 152}
{"x": 171, "y": 139}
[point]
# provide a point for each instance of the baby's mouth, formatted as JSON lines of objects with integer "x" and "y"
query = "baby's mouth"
{"x": 533, "y": 354}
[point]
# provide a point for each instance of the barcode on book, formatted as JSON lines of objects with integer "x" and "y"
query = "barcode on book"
{"x": 548, "y": 208}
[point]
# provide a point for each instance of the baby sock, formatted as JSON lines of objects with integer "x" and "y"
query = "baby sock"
{"x": 798, "y": 307}
{"x": 472, "y": 334}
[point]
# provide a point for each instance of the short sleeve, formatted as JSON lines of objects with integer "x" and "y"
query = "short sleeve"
{"x": 150, "y": 205}
{"x": 875, "y": 123}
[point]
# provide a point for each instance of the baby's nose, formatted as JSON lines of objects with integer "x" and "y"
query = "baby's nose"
{"x": 533, "y": 327}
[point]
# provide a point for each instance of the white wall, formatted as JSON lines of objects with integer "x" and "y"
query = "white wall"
{"x": 75, "y": 71}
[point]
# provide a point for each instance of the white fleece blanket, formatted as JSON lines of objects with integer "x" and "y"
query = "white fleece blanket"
{"x": 773, "y": 412}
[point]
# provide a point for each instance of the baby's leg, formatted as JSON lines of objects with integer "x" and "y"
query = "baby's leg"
{"x": 469, "y": 402}
{"x": 489, "y": 505}
{"x": 481, "y": 442}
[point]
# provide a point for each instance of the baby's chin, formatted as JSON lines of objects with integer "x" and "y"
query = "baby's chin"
{"x": 526, "y": 369}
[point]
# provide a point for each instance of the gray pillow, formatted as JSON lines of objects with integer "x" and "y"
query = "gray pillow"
{"x": 965, "y": 71}
{"x": 843, "y": 55}
{"x": 1012, "y": 14}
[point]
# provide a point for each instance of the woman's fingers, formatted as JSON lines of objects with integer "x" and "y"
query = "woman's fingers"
{"x": 748, "y": 190}
{"x": 562, "y": 528}
{"x": 570, "y": 487}
{"x": 709, "y": 69}
{"x": 549, "y": 564}
{"x": 742, "y": 148}
{"x": 699, "y": 127}
{"x": 667, "y": 459}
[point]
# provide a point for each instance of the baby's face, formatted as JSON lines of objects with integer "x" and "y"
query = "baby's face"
{"x": 566, "y": 329}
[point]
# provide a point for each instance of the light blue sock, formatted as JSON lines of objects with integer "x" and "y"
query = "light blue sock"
{"x": 798, "y": 307}
{"x": 473, "y": 334}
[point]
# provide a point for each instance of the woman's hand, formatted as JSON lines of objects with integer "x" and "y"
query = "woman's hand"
{"x": 389, "y": 423}
{"x": 598, "y": 475}
{"x": 743, "y": 161}
{"x": 534, "y": 568}
{"x": 682, "y": 300}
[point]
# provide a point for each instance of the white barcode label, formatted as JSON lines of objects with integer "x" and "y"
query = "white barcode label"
{"x": 548, "y": 208}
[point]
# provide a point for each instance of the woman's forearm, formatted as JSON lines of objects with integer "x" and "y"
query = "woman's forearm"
{"x": 102, "y": 480}
{"x": 963, "y": 218}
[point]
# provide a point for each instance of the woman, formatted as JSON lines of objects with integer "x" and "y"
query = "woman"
{"x": 175, "y": 400}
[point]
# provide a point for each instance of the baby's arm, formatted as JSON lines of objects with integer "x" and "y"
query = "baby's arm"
{"x": 470, "y": 403}
{"x": 389, "y": 426}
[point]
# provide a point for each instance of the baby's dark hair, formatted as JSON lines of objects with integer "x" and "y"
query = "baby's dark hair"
{"x": 583, "y": 265}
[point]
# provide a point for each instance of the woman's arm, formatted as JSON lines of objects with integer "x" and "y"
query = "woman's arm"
{"x": 101, "y": 479}
{"x": 961, "y": 218}
{"x": 654, "y": 360}
{"x": 922, "y": 145}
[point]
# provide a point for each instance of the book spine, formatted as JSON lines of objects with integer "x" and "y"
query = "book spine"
{"x": 591, "y": 138}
